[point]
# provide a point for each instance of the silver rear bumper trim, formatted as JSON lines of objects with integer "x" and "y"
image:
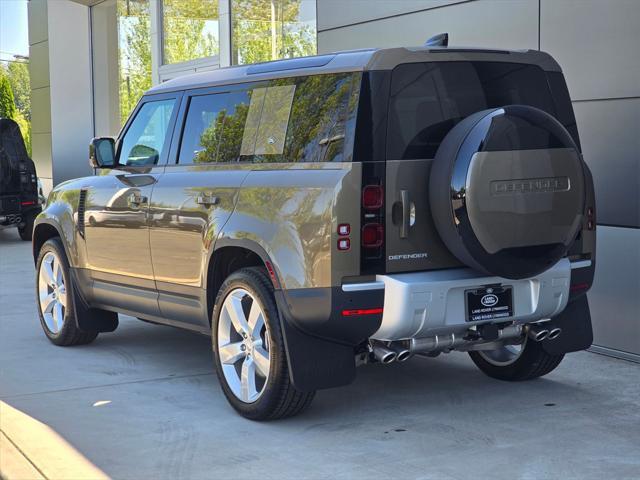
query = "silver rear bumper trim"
{"x": 379, "y": 285}
{"x": 580, "y": 264}
{"x": 361, "y": 287}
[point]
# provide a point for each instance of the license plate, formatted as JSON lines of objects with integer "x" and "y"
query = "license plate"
{"x": 489, "y": 303}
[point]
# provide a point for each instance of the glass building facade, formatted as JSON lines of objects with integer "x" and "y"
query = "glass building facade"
{"x": 138, "y": 43}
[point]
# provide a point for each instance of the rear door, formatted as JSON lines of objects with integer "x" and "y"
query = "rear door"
{"x": 426, "y": 101}
{"x": 195, "y": 197}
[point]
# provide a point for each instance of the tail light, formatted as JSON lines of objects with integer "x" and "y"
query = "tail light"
{"x": 372, "y": 235}
{"x": 372, "y": 197}
{"x": 591, "y": 220}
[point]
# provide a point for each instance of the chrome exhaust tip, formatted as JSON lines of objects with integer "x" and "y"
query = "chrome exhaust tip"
{"x": 538, "y": 334}
{"x": 403, "y": 355}
{"x": 383, "y": 354}
{"x": 554, "y": 333}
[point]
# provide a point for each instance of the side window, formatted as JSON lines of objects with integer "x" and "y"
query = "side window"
{"x": 282, "y": 121}
{"x": 301, "y": 119}
{"x": 144, "y": 140}
{"x": 214, "y": 127}
{"x": 322, "y": 117}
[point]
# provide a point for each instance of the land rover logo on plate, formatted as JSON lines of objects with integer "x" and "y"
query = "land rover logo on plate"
{"x": 489, "y": 300}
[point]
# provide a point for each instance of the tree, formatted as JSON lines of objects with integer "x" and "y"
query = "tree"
{"x": 7, "y": 104}
{"x": 18, "y": 75}
{"x": 270, "y": 29}
{"x": 186, "y": 35}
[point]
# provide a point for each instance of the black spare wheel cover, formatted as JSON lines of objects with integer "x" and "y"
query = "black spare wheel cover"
{"x": 507, "y": 191}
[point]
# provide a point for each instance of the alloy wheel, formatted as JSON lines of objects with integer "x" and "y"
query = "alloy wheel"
{"x": 52, "y": 292}
{"x": 243, "y": 345}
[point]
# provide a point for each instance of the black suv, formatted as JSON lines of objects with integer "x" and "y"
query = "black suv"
{"x": 20, "y": 195}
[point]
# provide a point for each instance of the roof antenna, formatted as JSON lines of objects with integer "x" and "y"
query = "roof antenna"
{"x": 440, "y": 40}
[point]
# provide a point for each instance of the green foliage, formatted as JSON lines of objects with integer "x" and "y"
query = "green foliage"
{"x": 134, "y": 28}
{"x": 25, "y": 129}
{"x": 267, "y": 30}
{"x": 7, "y": 104}
{"x": 18, "y": 75}
{"x": 185, "y": 33}
{"x": 15, "y": 98}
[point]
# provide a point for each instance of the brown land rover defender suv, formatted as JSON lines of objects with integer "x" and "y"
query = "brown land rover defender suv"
{"x": 318, "y": 213}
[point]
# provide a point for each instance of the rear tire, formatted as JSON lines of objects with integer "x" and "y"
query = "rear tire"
{"x": 54, "y": 293}
{"x": 532, "y": 362}
{"x": 252, "y": 368}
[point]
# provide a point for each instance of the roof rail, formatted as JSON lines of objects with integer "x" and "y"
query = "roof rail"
{"x": 290, "y": 64}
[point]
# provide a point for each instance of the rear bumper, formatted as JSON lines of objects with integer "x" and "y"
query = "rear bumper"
{"x": 424, "y": 304}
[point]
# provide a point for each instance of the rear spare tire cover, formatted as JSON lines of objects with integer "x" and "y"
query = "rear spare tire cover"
{"x": 507, "y": 191}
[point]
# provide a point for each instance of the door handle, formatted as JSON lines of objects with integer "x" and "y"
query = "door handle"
{"x": 135, "y": 200}
{"x": 206, "y": 199}
{"x": 406, "y": 214}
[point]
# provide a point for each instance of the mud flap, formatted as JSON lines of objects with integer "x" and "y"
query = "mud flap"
{"x": 575, "y": 322}
{"x": 91, "y": 319}
{"x": 314, "y": 363}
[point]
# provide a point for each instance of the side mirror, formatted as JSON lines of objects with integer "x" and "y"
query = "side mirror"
{"x": 102, "y": 152}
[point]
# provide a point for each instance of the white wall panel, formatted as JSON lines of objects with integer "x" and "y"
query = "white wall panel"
{"x": 336, "y": 13}
{"x": 39, "y": 65}
{"x": 71, "y": 95}
{"x": 610, "y": 136}
{"x": 40, "y": 110}
{"x": 597, "y": 42}
{"x": 486, "y": 23}
{"x": 615, "y": 296}
{"x": 37, "y": 17}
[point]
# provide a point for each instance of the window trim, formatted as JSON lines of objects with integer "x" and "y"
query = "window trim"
{"x": 162, "y": 161}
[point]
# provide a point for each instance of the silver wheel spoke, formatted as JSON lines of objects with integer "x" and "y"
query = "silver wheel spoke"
{"x": 255, "y": 321}
{"x": 261, "y": 359}
{"x": 62, "y": 295}
{"x": 248, "y": 380}
{"x": 47, "y": 269}
{"x": 231, "y": 353}
{"x": 236, "y": 314}
{"x": 57, "y": 273}
{"x": 58, "y": 314}
{"x": 47, "y": 303}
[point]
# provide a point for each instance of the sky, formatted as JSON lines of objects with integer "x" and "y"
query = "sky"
{"x": 14, "y": 38}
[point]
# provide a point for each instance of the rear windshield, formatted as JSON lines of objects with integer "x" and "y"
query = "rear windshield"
{"x": 429, "y": 99}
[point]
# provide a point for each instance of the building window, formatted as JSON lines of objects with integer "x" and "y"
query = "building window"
{"x": 264, "y": 30}
{"x": 121, "y": 42}
{"x": 190, "y": 29}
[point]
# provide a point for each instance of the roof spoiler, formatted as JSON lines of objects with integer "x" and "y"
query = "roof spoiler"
{"x": 439, "y": 40}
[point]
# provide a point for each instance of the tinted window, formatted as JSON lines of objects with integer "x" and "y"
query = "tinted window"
{"x": 564, "y": 109}
{"x": 314, "y": 115}
{"x": 144, "y": 140}
{"x": 429, "y": 99}
{"x": 213, "y": 128}
{"x": 300, "y": 119}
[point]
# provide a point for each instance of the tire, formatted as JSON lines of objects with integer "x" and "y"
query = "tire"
{"x": 26, "y": 231}
{"x": 267, "y": 396}
{"x": 59, "y": 325}
{"x": 532, "y": 362}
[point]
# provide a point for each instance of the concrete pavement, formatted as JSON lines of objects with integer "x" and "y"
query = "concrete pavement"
{"x": 143, "y": 402}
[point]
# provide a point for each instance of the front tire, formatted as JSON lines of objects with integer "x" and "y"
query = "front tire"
{"x": 514, "y": 363}
{"x": 249, "y": 352}
{"x": 54, "y": 291}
